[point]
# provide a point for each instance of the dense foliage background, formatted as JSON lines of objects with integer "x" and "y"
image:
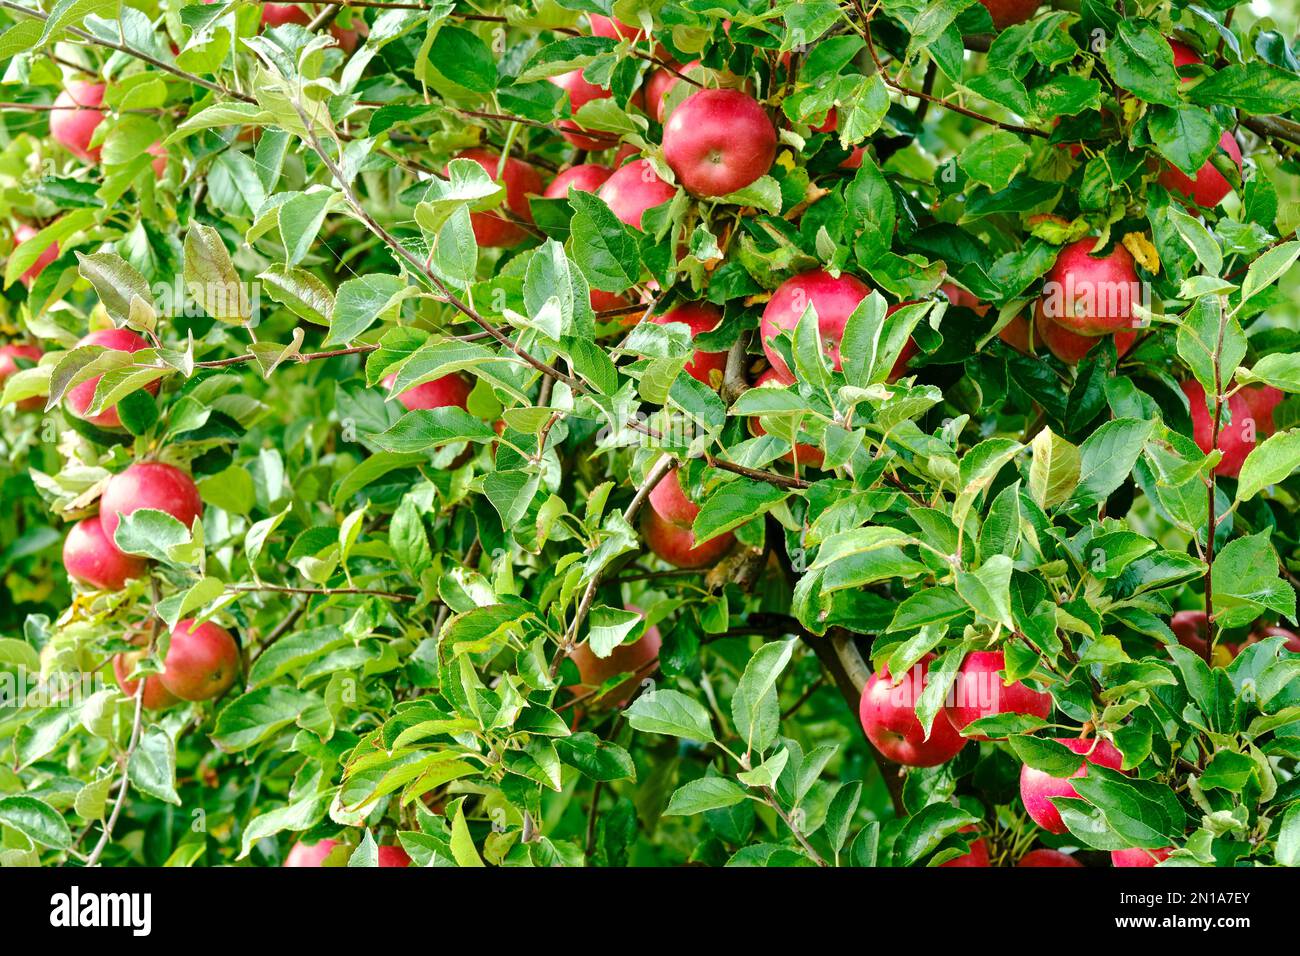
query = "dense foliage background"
{"x": 406, "y": 587}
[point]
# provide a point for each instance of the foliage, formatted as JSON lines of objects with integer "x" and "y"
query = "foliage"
{"x": 406, "y": 586}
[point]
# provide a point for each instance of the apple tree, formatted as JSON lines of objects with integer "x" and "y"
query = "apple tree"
{"x": 741, "y": 432}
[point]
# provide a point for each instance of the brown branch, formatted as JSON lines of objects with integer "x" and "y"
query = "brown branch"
{"x": 656, "y": 474}
{"x": 771, "y": 477}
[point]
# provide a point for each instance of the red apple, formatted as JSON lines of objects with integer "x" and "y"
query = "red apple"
{"x": 91, "y": 558}
{"x": 1209, "y": 186}
{"x": 586, "y": 178}
{"x": 520, "y": 180}
{"x": 719, "y": 141}
{"x": 75, "y": 118}
{"x": 613, "y": 29}
{"x": 633, "y": 189}
{"x": 393, "y": 856}
{"x": 669, "y": 501}
{"x": 82, "y": 394}
{"x": 1273, "y": 630}
{"x": 1192, "y": 628}
{"x": 451, "y": 389}
{"x": 1251, "y": 411}
{"x": 8, "y": 366}
{"x": 1037, "y": 788}
{"x": 1139, "y": 857}
{"x": 834, "y": 298}
{"x": 315, "y": 854}
{"x": 657, "y": 87}
{"x": 202, "y": 661}
{"x": 888, "y": 715}
{"x": 348, "y": 39}
{"x": 624, "y": 659}
{"x": 22, "y": 233}
{"x": 677, "y": 546}
{"x": 977, "y": 855}
{"x": 979, "y": 692}
{"x": 160, "y": 162}
{"x": 278, "y": 14}
{"x": 580, "y": 93}
{"x": 1091, "y": 296}
{"x": 602, "y": 301}
{"x": 1049, "y": 858}
{"x": 1070, "y": 347}
{"x": 156, "y": 696}
{"x": 1007, "y": 13}
{"x": 152, "y": 485}
{"x": 805, "y": 454}
{"x": 701, "y": 317}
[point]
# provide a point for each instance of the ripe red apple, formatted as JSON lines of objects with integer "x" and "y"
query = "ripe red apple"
{"x": 580, "y": 93}
{"x": 1273, "y": 630}
{"x": 348, "y": 39}
{"x": 1070, "y": 347}
{"x": 624, "y": 659}
{"x": 977, "y": 855}
{"x": 202, "y": 661}
{"x": 91, "y": 558}
{"x": 520, "y": 180}
{"x": 156, "y": 696}
{"x": 613, "y": 29}
{"x": 393, "y": 856}
{"x": 1251, "y": 411}
{"x": 587, "y": 178}
{"x": 451, "y": 389}
{"x": 888, "y": 715}
{"x": 22, "y": 233}
{"x": 633, "y": 189}
{"x": 602, "y": 301}
{"x": 979, "y": 692}
{"x": 805, "y": 454}
{"x": 75, "y": 118}
{"x": 1209, "y": 187}
{"x": 82, "y": 394}
{"x": 669, "y": 501}
{"x": 719, "y": 141}
{"x": 152, "y": 485}
{"x": 1192, "y": 628}
{"x": 1049, "y": 858}
{"x": 1037, "y": 788}
{"x": 1007, "y": 13}
{"x": 8, "y": 366}
{"x": 658, "y": 85}
{"x": 160, "y": 162}
{"x": 701, "y": 317}
{"x": 677, "y": 546}
{"x": 1139, "y": 857}
{"x": 834, "y": 298}
{"x": 315, "y": 854}
{"x": 1091, "y": 296}
{"x": 278, "y": 14}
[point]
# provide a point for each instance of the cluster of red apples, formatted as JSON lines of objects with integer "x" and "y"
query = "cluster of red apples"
{"x": 888, "y": 715}
{"x": 202, "y": 659}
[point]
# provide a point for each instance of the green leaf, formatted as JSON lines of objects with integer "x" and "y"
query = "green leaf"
{"x": 1141, "y": 62}
{"x": 1246, "y": 582}
{"x": 994, "y": 159}
{"x": 210, "y": 276}
{"x": 252, "y": 718}
{"x": 36, "y": 820}
{"x": 1106, "y": 458}
{"x": 706, "y": 793}
{"x": 596, "y": 758}
{"x": 360, "y": 302}
{"x": 753, "y": 707}
{"x": 1053, "y": 469}
{"x": 670, "y": 712}
{"x": 1271, "y": 461}
{"x": 734, "y": 504}
{"x": 152, "y": 768}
